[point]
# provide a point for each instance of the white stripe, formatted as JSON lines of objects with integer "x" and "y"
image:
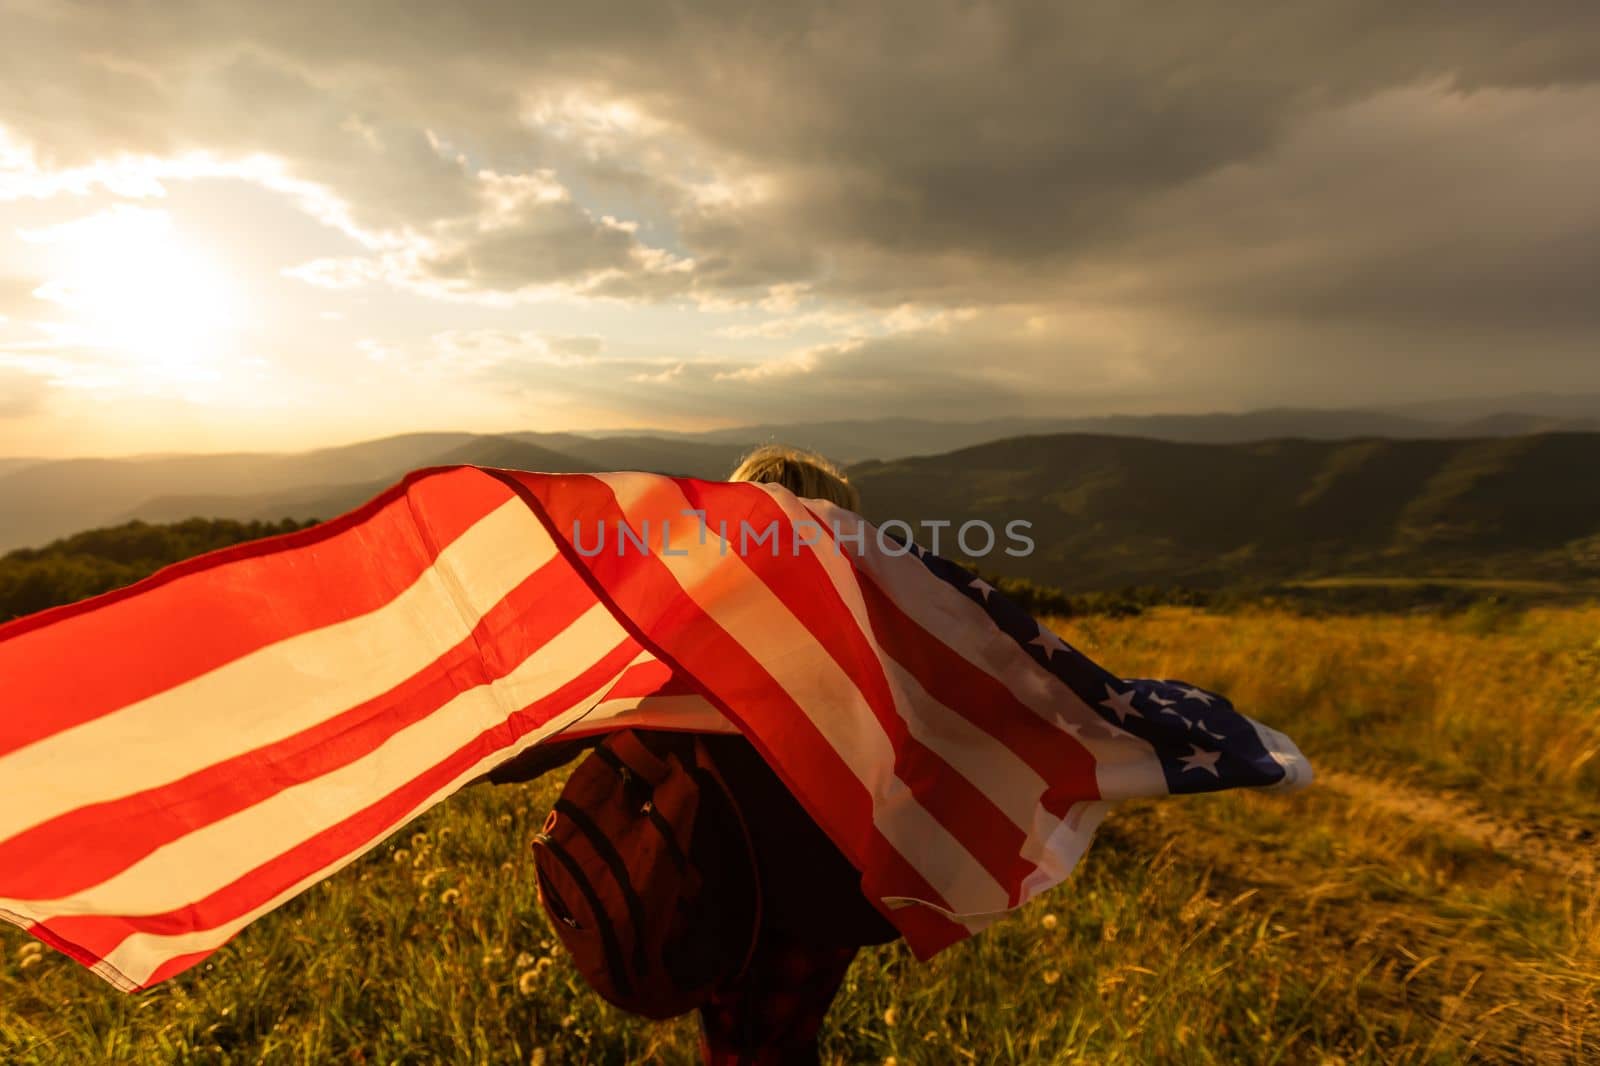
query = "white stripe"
{"x": 1125, "y": 766}
{"x": 194, "y": 866}
{"x": 279, "y": 690}
{"x": 141, "y": 954}
{"x": 1297, "y": 773}
{"x": 973, "y": 923}
{"x": 741, "y": 603}
{"x": 1066, "y": 846}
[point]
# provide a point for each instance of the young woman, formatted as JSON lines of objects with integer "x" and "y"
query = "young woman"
{"x": 814, "y": 917}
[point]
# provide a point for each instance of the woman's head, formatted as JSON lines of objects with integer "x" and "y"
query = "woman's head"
{"x": 805, "y": 474}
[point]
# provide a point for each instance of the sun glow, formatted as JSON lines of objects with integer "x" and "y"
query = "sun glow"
{"x": 134, "y": 290}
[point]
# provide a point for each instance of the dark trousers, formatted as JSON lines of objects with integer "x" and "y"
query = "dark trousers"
{"x": 814, "y": 919}
{"x": 772, "y": 1015}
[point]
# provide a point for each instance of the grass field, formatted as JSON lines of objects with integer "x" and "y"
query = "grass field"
{"x": 1433, "y": 899}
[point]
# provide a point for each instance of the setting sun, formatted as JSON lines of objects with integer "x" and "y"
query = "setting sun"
{"x": 133, "y": 288}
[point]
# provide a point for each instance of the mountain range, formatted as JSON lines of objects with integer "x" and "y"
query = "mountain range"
{"x": 898, "y": 437}
{"x": 1106, "y": 509}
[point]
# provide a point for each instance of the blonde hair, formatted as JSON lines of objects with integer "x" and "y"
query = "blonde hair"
{"x": 806, "y": 474}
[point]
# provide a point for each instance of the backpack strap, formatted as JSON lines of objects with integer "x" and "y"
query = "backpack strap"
{"x": 613, "y": 859}
{"x": 630, "y": 758}
{"x": 641, "y": 770}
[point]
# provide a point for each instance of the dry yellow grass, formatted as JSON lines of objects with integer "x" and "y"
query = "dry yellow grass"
{"x": 1504, "y": 703}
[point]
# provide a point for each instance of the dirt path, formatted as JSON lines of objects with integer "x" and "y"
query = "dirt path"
{"x": 1566, "y": 850}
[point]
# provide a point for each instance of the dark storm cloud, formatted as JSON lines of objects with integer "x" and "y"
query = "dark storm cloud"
{"x": 1023, "y": 133}
{"x": 1179, "y": 192}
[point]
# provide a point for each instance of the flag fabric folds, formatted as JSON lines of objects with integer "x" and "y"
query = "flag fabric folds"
{"x": 180, "y": 757}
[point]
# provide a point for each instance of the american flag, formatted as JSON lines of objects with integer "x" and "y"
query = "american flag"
{"x": 182, "y": 756}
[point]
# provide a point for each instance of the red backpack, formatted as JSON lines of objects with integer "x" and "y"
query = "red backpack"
{"x": 647, "y": 871}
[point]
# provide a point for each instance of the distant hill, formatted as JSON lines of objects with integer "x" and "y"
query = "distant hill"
{"x": 53, "y": 498}
{"x": 685, "y": 458}
{"x": 897, "y": 438}
{"x": 1114, "y": 511}
{"x": 1569, "y": 406}
{"x": 1515, "y": 425}
{"x": 42, "y": 500}
{"x": 894, "y": 438}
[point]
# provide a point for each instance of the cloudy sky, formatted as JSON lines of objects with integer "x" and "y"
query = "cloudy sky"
{"x": 283, "y": 224}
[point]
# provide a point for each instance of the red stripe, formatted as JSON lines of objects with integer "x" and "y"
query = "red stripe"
{"x": 927, "y": 932}
{"x": 66, "y": 947}
{"x": 802, "y": 583}
{"x": 86, "y": 846}
{"x": 75, "y": 663}
{"x": 174, "y": 966}
{"x": 653, "y": 678}
{"x": 648, "y": 601}
{"x": 99, "y": 935}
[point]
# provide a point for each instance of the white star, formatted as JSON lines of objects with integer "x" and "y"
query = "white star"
{"x": 1120, "y": 704}
{"x": 983, "y": 587}
{"x": 1192, "y": 693}
{"x": 1161, "y": 701}
{"x": 1049, "y": 642}
{"x": 1201, "y": 760}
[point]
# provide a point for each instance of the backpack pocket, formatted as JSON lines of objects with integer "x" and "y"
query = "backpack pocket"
{"x": 647, "y": 876}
